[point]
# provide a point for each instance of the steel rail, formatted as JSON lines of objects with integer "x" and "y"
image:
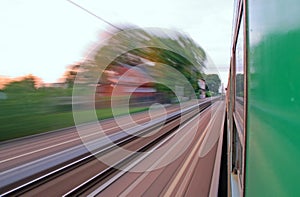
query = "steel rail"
{"x": 85, "y": 186}
{"x": 126, "y": 162}
{"x": 104, "y": 149}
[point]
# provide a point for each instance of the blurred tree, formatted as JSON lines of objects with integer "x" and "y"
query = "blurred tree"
{"x": 213, "y": 83}
{"x": 171, "y": 48}
{"x": 70, "y": 75}
{"x": 25, "y": 85}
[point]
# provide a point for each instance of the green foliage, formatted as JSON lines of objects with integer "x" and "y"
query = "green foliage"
{"x": 213, "y": 83}
{"x": 208, "y": 93}
{"x": 70, "y": 75}
{"x": 27, "y": 109}
{"x": 166, "y": 95}
{"x": 240, "y": 85}
{"x": 41, "y": 112}
{"x": 178, "y": 51}
{"x": 27, "y": 84}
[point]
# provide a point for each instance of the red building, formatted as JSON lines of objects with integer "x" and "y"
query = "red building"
{"x": 122, "y": 81}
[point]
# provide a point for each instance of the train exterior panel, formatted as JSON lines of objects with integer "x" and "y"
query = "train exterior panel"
{"x": 263, "y": 99}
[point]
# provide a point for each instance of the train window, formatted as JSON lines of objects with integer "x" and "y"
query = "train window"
{"x": 237, "y": 154}
{"x": 238, "y": 142}
{"x": 239, "y": 73}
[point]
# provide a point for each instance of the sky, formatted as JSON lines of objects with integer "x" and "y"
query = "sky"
{"x": 44, "y": 37}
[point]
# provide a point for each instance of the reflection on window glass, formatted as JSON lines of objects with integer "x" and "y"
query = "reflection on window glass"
{"x": 237, "y": 154}
{"x": 239, "y": 62}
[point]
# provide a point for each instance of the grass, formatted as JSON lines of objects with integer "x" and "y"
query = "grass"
{"x": 24, "y": 125}
{"x": 27, "y": 111}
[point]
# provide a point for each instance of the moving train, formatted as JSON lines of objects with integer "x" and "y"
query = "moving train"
{"x": 263, "y": 100}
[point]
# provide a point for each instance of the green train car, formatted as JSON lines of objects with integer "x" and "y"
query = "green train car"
{"x": 263, "y": 100}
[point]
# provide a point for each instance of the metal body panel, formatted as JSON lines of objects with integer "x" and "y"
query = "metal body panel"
{"x": 273, "y": 98}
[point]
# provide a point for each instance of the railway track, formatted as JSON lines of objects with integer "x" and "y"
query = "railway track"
{"x": 120, "y": 139}
{"x": 194, "y": 173}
